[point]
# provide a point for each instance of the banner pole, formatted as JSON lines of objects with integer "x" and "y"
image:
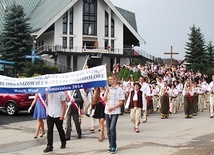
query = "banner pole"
{"x": 84, "y": 67}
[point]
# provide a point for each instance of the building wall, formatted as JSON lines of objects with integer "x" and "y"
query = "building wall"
{"x": 81, "y": 62}
{"x": 55, "y": 37}
{"x": 47, "y": 38}
{"x": 118, "y": 33}
{"x": 78, "y": 37}
{"x": 78, "y": 26}
{"x": 125, "y": 61}
{"x": 62, "y": 61}
{"x": 106, "y": 60}
{"x": 118, "y": 39}
{"x": 58, "y": 32}
{"x": 101, "y": 7}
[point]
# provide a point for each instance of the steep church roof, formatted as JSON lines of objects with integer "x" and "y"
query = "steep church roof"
{"x": 29, "y": 6}
{"x": 129, "y": 16}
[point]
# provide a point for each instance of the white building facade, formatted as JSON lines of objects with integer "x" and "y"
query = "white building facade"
{"x": 68, "y": 31}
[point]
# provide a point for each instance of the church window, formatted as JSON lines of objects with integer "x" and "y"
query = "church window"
{"x": 89, "y": 17}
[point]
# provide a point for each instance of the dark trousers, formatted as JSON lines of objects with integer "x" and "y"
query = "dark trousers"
{"x": 111, "y": 122}
{"x": 68, "y": 124}
{"x": 59, "y": 125}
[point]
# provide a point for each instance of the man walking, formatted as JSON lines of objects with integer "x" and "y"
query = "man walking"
{"x": 76, "y": 104}
{"x": 55, "y": 115}
{"x": 211, "y": 90}
{"x": 114, "y": 98}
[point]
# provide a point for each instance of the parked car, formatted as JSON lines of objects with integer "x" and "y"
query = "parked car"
{"x": 13, "y": 103}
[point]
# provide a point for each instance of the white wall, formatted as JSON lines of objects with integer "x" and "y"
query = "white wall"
{"x": 118, "y": 33}
{"x": 58, "y": 32}
{"x": 47, "y": 37}
{"x": 78, "y": 26}
{"x": 118, "y": 39}
{"x": 78, "y": 37}
{"x": 77, "y": 41}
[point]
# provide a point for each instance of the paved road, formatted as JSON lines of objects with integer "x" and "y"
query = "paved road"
{"x": 173, "y": 136}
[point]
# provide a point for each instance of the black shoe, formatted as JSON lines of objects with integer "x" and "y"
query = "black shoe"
{"x": 48, "y": 149}
{"x": 79, "y": 137}
{"x": 67, "y": 139}
{"x": 63, "y": 145}
{"x": 87, "y": 115}
{"x": 211, "y": 116}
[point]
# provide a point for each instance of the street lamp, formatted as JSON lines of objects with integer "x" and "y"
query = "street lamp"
{"x": 33, "y": 35}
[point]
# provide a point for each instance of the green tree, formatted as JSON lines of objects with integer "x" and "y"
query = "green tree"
{"x": 210, "y": 54}
{"x": 16, "y": 38}
{"x": 195, "y": 48}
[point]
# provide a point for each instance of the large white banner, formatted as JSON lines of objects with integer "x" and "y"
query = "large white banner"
{"x": 93, "y": 77}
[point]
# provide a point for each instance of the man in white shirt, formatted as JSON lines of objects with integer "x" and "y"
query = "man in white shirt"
{"x": 135, "y": 103}
{"x": 55, "y": 115}
{"x": 180, "y": 87}
{"x": 145, "y": 89}
{"x": 211, "y": 90}
{"x": 155, "y": 98}
{"x": 173, "y": 93}
{"x": 206, "y": 94}
{"x": 114, "y": 100}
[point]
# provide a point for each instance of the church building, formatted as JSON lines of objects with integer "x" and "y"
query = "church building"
{"x": 66, "y": 32}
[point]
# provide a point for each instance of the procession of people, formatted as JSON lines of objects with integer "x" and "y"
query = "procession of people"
{"x": 160, "y": 90}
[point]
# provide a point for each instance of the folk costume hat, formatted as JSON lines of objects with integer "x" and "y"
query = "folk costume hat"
{"x": 137, "y": 83}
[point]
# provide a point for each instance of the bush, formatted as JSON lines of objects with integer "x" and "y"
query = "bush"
{"x": 37, "y": 69}
{"x": 49, "y": 70}
{"x": 127, "y": 73}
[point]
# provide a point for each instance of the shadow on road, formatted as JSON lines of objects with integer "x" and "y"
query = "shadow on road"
{"x": 20, "y": 117}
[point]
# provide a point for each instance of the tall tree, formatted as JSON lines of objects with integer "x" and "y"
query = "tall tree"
{"x": 16, "y": 38}
{"x": 195, "y": 48}
{"x": 210, "y": 54}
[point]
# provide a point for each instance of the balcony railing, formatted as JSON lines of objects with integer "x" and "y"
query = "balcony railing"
{"x": 119, "y": 51}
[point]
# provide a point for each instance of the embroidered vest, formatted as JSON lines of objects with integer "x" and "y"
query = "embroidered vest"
{"x": 139, "y": 99}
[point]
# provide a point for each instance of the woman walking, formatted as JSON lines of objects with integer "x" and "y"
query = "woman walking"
{"x": 188, "y": 92}
{"x": 39, "y": 113}
{"x": 99, "y": 105}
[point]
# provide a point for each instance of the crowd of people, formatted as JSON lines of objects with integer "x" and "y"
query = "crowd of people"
{"x": 159, "y": 89}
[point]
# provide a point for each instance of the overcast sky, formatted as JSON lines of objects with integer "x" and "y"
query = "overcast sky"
{"x": 165, "y": 23}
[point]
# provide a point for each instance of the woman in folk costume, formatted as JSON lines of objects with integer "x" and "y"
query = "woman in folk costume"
{"x": 195, "y": 97}
{"x": 128, "y": 89}
{"x": 164, "y": 100}
{"x": 188, "y": 92}
{"x": 173, "y": 93}
{"x": 99, "y": 105}
{"x": 39, "y": 113}
{"x": 136, "y": 103}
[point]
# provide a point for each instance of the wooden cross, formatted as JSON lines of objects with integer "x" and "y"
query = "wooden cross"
{"x": 171, "y": 53}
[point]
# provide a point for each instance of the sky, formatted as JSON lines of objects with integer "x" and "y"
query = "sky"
{"x": 166, "y": 23}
